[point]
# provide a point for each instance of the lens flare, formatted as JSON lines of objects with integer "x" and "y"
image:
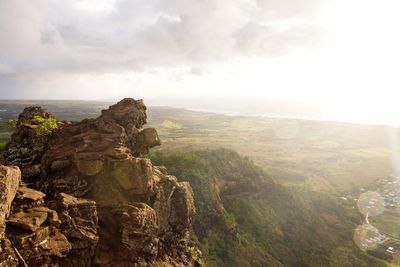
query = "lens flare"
{"x": 368, "y": 237}
{"x": 371, "y": 204}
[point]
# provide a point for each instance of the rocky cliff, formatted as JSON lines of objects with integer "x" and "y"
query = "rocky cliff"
{"x": 86, "y": 196}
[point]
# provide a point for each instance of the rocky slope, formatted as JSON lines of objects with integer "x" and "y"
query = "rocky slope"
{"x": 85, "y": 195}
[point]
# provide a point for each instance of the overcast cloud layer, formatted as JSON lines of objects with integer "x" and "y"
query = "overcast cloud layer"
{"x": 118, "y": 35}
{"x": 51, "y": 38}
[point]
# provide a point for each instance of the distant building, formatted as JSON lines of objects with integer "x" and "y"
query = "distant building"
{"x": 391, "y": 250}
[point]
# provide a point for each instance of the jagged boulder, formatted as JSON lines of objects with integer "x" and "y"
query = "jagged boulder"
{"x": 27, "y": 198}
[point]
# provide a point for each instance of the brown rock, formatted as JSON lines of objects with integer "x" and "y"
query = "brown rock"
{"x": 89, "y": 167}
{"x": 29, "y": 220}
{"x": 34, "y": 234}
{"x": 162, "y": 199}
{"x": 127, "y": 112}
{"x": 29, "y": 113}
{"x": 139, "y": 228}
{"x": 79, "y": 224}
{"x": 133, "y": 174}
{"x": 59, "y": 164}
{"x": 130, "y": 238}
{"x": 9, "y": 181}
{"x": 26, "y": 146}
{"x": 182, "y": 207}
{"x": 8, "y": 257}
{"x": 146, "y": 139}
{"x": 32, "y": 171}
{"x": 47, "y": 252}
{"x": 57, "y": 245}
{"x": 23, "y": 239}
{"x": 27, "y": 198}
{"x": 28, "y": 194}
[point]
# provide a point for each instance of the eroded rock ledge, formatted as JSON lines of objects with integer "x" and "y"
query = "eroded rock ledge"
{"x": 88, "y": 198}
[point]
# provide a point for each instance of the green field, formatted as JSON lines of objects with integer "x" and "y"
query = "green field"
{"x": 388, "y": 222}
{"x": 324, "y": 155}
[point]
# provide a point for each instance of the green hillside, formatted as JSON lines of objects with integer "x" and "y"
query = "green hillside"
{"x": 245, "y": 219}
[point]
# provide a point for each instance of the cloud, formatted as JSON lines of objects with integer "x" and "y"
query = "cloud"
{"x": 6, "y": 68}
{"x": 275, "y": 40}
{"x": 289, "y": 9}
{"x": 120, "y": 35}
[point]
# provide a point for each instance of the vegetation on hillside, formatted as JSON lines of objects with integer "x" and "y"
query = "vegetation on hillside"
{"x": 245, "y": 219}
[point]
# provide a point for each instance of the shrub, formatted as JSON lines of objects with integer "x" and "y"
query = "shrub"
{"x": 45, "y": 126}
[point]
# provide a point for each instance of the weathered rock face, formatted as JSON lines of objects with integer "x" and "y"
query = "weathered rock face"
{"x": 9, "y": 181}
{"x": 31, "y": 233}
{"x": 79, "y": 223}
{"x": 106, "y": 205}
{"x": 84, "y": 156}
{"x": 27, "y": 147}
{"x": 132, "y": 237}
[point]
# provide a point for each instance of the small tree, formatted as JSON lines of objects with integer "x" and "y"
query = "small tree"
{"x": 44, "y": 126}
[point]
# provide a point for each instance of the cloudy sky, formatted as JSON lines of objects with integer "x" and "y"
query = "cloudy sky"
{"x": 337, "y": 54}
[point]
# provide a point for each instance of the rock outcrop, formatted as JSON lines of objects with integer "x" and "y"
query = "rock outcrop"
{"x": 101, "y": 203}
{"x": 27, "y": 147}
